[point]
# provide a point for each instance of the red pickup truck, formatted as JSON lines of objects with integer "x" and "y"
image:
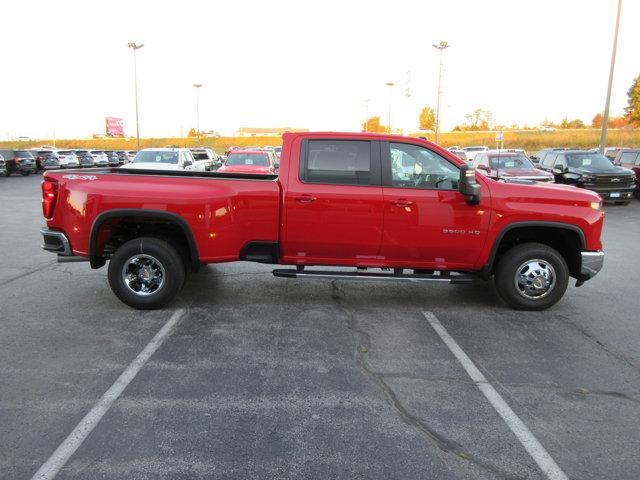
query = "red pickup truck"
{"x": 381, "y": 206}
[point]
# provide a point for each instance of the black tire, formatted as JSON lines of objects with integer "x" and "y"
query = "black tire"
{"x": 623, "y": 203}
{"x": 159, "y": 253}
{"x": 512, "y": 261}
{"x": 25, "y": 174}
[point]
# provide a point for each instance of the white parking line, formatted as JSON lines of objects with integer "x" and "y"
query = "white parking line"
{"x": 67, "y": 448}
{"x": 517, "y": 426}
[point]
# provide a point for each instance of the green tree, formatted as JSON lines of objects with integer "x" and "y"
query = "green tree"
{"x": 479, "y": 119}
{"x": 633, "y": 108}
{"x": 427, "y": 119}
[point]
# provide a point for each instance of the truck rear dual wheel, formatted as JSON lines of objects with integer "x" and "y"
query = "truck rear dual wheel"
{"x": 532, "y": 276}
{"x": 146, "y": 273}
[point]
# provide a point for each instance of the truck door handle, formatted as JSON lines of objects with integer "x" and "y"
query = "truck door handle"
{"x": 305, "y": 199}
{"x": 401, "y": 203}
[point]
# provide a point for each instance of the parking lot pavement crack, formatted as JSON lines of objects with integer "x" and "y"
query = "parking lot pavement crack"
{"x": 27, "y": 273}
{"x": 363, "y": 341}
{"x": 631, "y": 362}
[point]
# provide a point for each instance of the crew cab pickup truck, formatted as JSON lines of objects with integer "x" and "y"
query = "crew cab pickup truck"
{"x": 346, "y": 200}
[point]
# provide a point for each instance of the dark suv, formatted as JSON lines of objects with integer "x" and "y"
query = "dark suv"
{"x": 592, "y": 171}
{"x": 18, "y": 161}
{"x": 113, "y": 158}
{"x": 630, "y": 158}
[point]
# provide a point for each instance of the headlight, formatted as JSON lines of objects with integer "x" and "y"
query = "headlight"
{"x": 596, "y": 205}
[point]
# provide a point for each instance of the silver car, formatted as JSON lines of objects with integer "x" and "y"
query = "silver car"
{"x": 100, "y": 158}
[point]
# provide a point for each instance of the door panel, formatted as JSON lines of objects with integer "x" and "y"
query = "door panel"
{"x": 427, "y": 222}
{"x": 328, "y": 223}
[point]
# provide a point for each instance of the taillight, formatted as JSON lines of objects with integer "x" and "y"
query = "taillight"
{"x": 49, "y": 193}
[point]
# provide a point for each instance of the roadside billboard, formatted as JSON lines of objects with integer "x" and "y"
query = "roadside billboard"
{"x": 115, "y": 127}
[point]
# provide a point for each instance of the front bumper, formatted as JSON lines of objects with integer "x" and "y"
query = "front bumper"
{"x": 591, "y": 264}
{"x": 56, "y": 242}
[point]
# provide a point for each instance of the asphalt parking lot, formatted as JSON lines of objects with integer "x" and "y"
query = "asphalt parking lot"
{"x": 270, "y": 378}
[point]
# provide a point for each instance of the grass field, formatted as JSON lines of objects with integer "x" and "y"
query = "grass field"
{"x": 530, "y": 140}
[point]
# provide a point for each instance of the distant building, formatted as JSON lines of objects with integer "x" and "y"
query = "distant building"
{"x": 267, "y": 132}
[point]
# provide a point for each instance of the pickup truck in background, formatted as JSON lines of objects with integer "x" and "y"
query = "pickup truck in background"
{"x": 348, "y": 200}
{"x": 176, "y": 159}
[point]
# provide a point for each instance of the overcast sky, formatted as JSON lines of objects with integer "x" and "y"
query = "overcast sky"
{"x": 306, "y": 64}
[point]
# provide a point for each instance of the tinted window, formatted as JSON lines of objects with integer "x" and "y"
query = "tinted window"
{"x": 417, "y": 167}
{"x": 629, "y": 158}
{"x": 156, "y": 157}
{"x": 345, "y": 162}
{"x": 200, "y": 155}
{"x": 474, "y": 149}
{"x": 511, "y": 161}
{"x": 549, "y": 159}
{"x": 7, "y": 153}
{"x": 23, "y": 154}
{"x": 592, "y": 160}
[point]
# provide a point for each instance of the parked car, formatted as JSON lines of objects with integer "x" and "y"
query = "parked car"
{"x": 460, "y": 154}
{"x": 164, "y": 159}
{"x": 207, "y": 157}
{"x": 278, "y": 151}
{"x": 51, "y": 162}
{"x": 131, "y": 154}
{"x": 337, "y": 202}
{"x": 40, "y": 155}
{"x": 261, "y": 162}
{"x": 509, "y": 167}
{"x": 537, "y": 157}
{"x": 471, "y": 152}
{"x": 612, "y": 152}
{"x": 123, "y": 157}
{"x": 18, "y": 161}
{"x": 630, "y": 158}
{"x": 100, "y": 158}
{"x": 592, "y": 171}
{"x": 112, "y": 158}
{"x": 68, "y": 159}
{"x": 453, "y": 148}
{"x": 3, "y": 167}
{"x": 85, "y": 158}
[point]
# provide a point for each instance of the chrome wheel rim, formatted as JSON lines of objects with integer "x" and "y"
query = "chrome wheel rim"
{"x": 535, "y": 279}
{"x": 143, "y": 275}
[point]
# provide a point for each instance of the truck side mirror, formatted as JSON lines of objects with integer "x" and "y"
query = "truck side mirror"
{"x": 468, "y": 186}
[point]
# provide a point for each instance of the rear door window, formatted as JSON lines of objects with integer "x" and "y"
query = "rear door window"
{"x": 340, "y": 162}
{"x": 549, "y": 159}
{"x": 629, "y": 158}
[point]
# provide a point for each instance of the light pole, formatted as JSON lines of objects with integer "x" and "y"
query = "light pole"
{"x": 366, "y": 114}
{"x": 605, "y": 117}
{"x": 390, "y": 85}
{"x": 135, "y": 47}
{"x": 197, "y": 86}
{"x": 441, "y": 47}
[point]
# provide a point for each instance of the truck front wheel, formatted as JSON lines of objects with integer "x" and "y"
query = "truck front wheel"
{"x": 146, "y": 273}
{"x": 531, "y": 276}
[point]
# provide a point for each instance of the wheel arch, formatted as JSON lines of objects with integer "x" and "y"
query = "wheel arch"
{"x": 97, "y": 259}
{"x": 567, "y": 238}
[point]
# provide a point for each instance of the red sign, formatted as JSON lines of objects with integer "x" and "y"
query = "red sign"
{"x": 115, "y": 127}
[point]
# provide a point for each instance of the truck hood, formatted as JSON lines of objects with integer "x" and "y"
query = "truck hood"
{"x": 614, "y": 170}
{"x": 523, "y": 172}
{"x": 150, "y": 166}
{"x": 545, "y": 192}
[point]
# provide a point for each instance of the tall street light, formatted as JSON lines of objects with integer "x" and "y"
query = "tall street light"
{"x": 197, "y": 86}
{"x": 135, "y": 47}
{"x": 441, "y": 47}
{"x": 390, "y": 85}
{"x": 605, "y": 117}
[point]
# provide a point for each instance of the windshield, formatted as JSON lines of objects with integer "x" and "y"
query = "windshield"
{"x": 473, "y": 149}
{"x": 65, "y": 152}
{"x": 591, "y": 160}
{"x": 200, "y": 155}
{"x": 23, "y": 154}
{"x": 507, "y": 162}
{"x": 258, "y": 159}
{"x": 156, "y": 157}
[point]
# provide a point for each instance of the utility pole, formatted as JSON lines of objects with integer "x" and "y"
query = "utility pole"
{"x": 605, "y": 117}
{"x": 390, "y": 85}
{"x": 366, "y": 114}
{"x": 441, "y": 47}
{"x": 197, "y": 86}
{"x": 135, "y": 47}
